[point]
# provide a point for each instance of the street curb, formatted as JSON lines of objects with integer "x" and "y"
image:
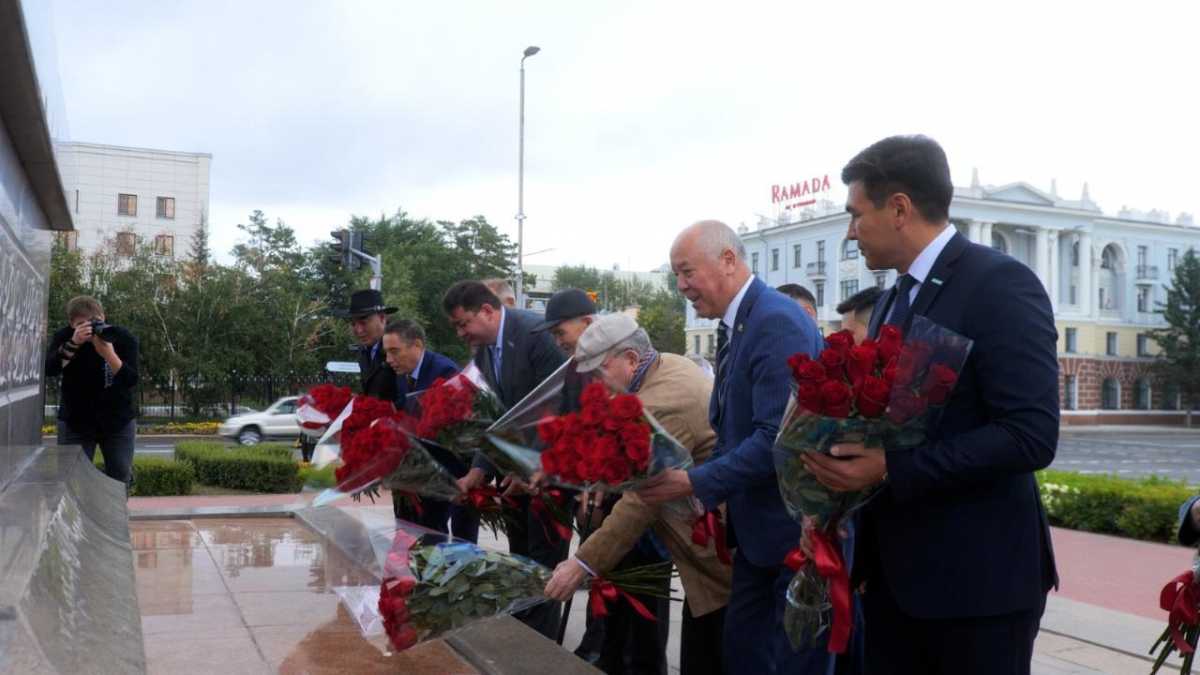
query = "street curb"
{"x": 270, "y": 511}
{"x": 1128, "y": 634}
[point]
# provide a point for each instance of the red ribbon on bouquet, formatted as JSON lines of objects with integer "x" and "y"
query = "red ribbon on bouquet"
{"x": 1179, "y": 599}
{"x": 709, "y": 527}
{"x": 487, "y": 498}
{"x": 828, "y": 560}
{"x": 604, "y": 591}
{"x": 537, "y": 505}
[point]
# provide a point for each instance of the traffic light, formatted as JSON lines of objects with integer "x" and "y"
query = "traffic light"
{"x": 341, "y": 249}
{"x": 358, "y": 242}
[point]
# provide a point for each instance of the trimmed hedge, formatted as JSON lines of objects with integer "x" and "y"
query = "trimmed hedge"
{"x": 1145, "y": 508}
{"x": 262, "y": 468}
{"x": 158, "y": 476}
{"x": 312, "y": 477}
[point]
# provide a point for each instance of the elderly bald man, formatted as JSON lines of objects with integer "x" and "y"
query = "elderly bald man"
{"x": 759, "y": 329}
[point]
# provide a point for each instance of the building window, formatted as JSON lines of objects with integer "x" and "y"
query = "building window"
{"x": 165, "y": 208}
{"x": 77, "y": 201}
{"x": 696, "y": 343}
{"x": 881, "y": 280}
{"x": 795, "y": 255}
{"x": 126, "y": 205}
{"x": 1108, "y": 258}
{"x": 1110, "y": 394}
{"x": 820, "y": 251}
{"x": 1172, "y": 259}
{"x": 1070, "y": 399}
{"x": 754, "y": 263}
{"x": 1075, "y": 254}
{"x": 1142, "y": 257}
{"x": 1110, "y": 343}
{"x": 999, "y": 243}
{"x": 126, "y": 243}
{"x": 849, "y": 249}
{"x": 1142, "y": 394}
{"x": 1143, "y": 344}
{"x": 1072, "y": 295}
{"x": 774, "y": 260}
{"x": 1072, "y": 340}
{"x": 1144, "y": 298}
{"x": 164, "y": 244}
{"x": 1170, "y": 399}
{"x": 849, "y": 288}
{"x": 710, "y": 341}
{"x": 819, "y": 291}
{"x": 69, "y": 240}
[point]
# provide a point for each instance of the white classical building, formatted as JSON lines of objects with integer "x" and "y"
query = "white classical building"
{"x": 1105, "y": 276}
{"x": 125, "y": 197}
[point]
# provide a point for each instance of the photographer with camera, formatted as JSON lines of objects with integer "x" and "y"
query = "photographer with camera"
{"x": 99, "y": 367}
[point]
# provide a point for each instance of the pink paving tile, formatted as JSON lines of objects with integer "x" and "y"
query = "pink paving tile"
{"x": 1120, "y": 574}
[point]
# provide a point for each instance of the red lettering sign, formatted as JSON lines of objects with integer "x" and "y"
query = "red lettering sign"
{"x": 799, "y": 191}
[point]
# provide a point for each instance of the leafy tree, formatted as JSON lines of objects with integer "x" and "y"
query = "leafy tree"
{"x": 662, "y": 315}
{"x": 1179, "y": 361}
{"x": 582, "y": 277}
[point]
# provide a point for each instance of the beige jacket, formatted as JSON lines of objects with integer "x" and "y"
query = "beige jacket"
{"x": 676, "y": 392}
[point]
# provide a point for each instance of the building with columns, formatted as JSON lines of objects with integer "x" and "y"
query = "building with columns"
{"x": 1105, "y": 276}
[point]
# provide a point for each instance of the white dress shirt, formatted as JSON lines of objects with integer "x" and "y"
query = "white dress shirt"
{"x": 923, "y": 264}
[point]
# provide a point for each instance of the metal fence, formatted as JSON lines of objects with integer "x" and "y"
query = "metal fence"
{"x": 197, "y": 398}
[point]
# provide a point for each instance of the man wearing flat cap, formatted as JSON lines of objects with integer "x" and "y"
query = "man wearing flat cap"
{"x": 568, "y": 313}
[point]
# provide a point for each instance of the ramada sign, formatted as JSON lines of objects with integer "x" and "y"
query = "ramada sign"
{"x": 800, "y": 194}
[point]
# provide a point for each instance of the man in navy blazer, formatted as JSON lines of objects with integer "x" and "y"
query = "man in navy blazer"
{"x": 955, "y": 548}
{"x": 416, "y": 370}
{"x": 759, "y": 329}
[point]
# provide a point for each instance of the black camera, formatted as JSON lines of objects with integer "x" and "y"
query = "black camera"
{"x": 102, "y": 329}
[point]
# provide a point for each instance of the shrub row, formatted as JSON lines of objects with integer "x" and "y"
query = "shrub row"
{"x": 261, "y": 468}
{"x": 158, "y": 476}
{"x": 1145, "y": 508}
{"x": 167, "y": 428}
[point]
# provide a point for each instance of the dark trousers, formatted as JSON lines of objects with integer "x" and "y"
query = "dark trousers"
{"x": 700, "y": 650}
{"x": 435, "y": 513}
{"x": 116, "y": 447}
{"x": 634, "y": 645}
{"x": 528, "y": 536}
{"x": 902, "y": 644}
{"x": 755, "y": 642}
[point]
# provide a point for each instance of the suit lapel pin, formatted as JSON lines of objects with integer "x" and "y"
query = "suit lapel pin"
{"x": 936, "y": 281}
{"x": 741, "y": 328}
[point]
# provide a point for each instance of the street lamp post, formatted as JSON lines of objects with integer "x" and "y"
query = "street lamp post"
{"x": 529, "y": 51}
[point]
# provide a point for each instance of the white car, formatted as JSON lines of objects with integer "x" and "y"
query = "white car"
{"x": 277, "y": 421}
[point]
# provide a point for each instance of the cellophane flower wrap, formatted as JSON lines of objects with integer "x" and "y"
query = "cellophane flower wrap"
{"x": 579, "y": 434}
{"x": 881, "y": 393}
{"x": 454, "y": 413}
{"x": 318, "y": 407}
{"x": 1180, "y": 599}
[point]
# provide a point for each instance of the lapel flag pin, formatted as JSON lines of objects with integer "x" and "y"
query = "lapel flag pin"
{"x": 936, "y": 281}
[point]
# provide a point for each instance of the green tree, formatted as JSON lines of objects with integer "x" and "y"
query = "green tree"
{"x": 577, "y": 276}
{"x": 662, "y": 315}
{"x": 1179, "y": 360}
{"x": 66, "y": 281}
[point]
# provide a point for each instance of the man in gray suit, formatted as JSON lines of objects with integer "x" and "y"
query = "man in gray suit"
{"x": 514, "y": 360}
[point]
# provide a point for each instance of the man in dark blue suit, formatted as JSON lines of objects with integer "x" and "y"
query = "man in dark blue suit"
{"x": 514, "y": 360}
{"x": 759, "y": 329}
{"x": 416, "y": 370}
{"x": 955, "y": 548}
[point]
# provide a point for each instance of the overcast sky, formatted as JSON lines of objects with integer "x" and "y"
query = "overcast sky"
{"x": 641, "y": 116}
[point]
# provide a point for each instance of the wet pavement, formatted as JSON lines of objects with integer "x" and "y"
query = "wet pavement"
{"x": 254, "y": 595}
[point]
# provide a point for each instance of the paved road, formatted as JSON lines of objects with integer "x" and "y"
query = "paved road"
{"x": 1173, "y": 455}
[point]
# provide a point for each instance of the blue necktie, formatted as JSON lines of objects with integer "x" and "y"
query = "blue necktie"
{"x": 496, "y": 361}
{"x": 900, "y": 305}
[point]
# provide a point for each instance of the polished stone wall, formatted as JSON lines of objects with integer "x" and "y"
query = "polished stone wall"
{"x": 24, "y": 286}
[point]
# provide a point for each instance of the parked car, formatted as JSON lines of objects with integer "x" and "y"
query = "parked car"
{"x": 277, "y": 421}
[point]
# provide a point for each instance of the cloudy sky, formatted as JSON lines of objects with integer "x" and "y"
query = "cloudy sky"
{"x": 641, "y": 116}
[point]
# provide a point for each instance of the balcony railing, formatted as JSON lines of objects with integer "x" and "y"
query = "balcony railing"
{"x": 1147, "y": 272}
{"x": 816, "y": 269}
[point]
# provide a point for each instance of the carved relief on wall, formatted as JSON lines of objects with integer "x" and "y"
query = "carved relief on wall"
{"x": 23, "y": 289}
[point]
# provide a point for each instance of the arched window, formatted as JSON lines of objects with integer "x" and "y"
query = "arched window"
{"x": 1109, "y": 281}
{"x": 1170, "y": 398}
{"x": 999, "y": 242}
{"x": 1070, "y": 399}
{"x": 1110, "y": 394}
{"x": 849, "y": 249}
{"x": 1143, "y": 394}
{"x": 1110, "y": 258}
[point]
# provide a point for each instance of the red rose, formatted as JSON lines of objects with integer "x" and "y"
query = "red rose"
{"x": 637, "y": 449}
{"x": 809, "y": 397}
{"x": 890, "y": 341}
{"x": 550, "y": 429}
{"x": 594, "y": 394}
{"x": 872, "y": 397}
{"x": 836, "y": 398}
{"x": 938, "y": 383}
{"x": 812, "y": 371}
{"x": 861, "y": 362}
{"x": 840, "y": 341}
{"x": 627, "y": 407}
{"x": 834, "y": 363}
{"x": 796, "y": 362}
{"x": 403, "y": 637}
{"x": 594, "y": 412}
{"x": 905, "y": 405}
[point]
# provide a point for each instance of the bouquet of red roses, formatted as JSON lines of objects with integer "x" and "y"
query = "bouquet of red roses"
{"x": 319, "y": 406}
{"x": 455, "y": 413}
{"x": 881, "y": 393}
{"x": 1180, "y": 598}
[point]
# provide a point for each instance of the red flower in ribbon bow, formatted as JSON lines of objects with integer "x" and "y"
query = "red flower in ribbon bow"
{"x": 604, "y": 591}
{"x": 1179, "y": 599}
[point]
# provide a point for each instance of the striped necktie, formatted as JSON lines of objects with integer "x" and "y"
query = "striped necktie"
{"x": 722, "y": 353}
